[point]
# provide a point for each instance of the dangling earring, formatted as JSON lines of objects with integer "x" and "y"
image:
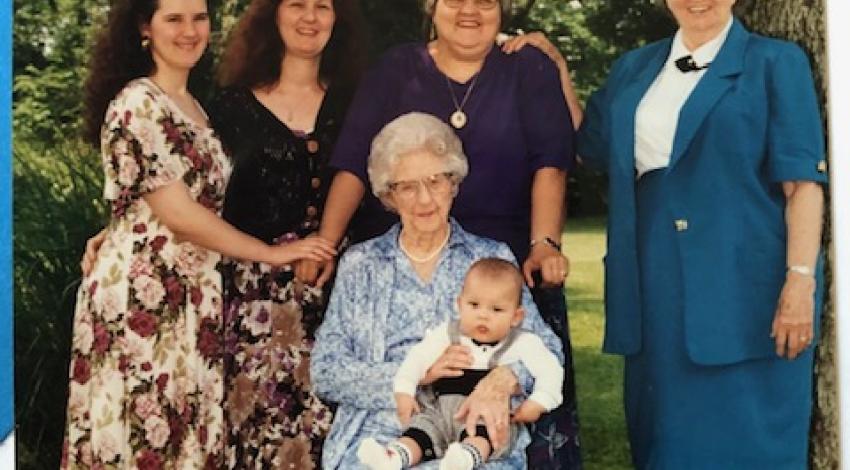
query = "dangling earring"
{"x": 146, "y": 42}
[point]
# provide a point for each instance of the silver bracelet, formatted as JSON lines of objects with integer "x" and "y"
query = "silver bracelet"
{"x": 801, "y": 269}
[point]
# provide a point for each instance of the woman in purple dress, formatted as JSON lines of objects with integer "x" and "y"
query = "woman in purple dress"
{"x": 510, "y": 113}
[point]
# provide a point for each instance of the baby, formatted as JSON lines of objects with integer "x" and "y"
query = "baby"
{"x": 490, "y": 315}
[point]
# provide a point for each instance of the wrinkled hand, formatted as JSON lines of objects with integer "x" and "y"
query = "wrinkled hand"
{"x": 311, "y": 248}
{"x": 406, "y": 407}
{"x": 490, "y": 402}
{"x": 528, "y": 412}
{"x": 552, "y": 264}
{"x": 93, "y": 245}
{"x": 792, "y": 327}
{"x": 538, "y": 40}
{"x": 451, "y": 364}
{"x": 314, "y": 273}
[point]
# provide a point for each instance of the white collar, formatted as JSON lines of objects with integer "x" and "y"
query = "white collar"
{"x": 702, "y": 55}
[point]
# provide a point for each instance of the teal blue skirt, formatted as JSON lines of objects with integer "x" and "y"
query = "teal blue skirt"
{"x": 680, "y": 415}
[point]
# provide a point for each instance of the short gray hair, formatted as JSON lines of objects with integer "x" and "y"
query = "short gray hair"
{"x": 409, "y": 133}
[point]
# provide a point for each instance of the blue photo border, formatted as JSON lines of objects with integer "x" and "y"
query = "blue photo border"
{"x": 7, "y": 389}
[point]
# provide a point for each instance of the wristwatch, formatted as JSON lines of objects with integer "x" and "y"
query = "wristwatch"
{"x": 547, "y": 240}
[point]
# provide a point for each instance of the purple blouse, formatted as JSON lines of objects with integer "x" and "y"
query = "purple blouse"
{"x": 518, "y": 122}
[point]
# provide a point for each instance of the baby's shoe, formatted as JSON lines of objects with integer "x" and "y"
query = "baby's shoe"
{"x": 377, "y": 457}
{"x": 460, "y": 457}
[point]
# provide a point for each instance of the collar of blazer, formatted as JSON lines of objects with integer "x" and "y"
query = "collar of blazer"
{"x": 719, "y": 77}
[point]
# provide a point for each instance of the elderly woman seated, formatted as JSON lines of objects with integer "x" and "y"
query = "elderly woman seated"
{"x": 391, "y": 289}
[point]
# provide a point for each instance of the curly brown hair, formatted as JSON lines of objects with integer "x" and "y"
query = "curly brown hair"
{"x": 255, "y": 50}
{"x": 117, "y": 58}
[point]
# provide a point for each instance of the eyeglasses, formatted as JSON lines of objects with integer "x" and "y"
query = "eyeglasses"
{"x": 480, "y": 4}
{"x": 436, "y": 184}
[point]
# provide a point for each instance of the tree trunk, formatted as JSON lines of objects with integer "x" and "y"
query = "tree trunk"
{"x": 802, "y": 21}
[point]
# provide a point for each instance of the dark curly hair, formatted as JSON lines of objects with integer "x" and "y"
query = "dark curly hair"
{"x": 254, "y": 50}
{"x": 117, "y": 58}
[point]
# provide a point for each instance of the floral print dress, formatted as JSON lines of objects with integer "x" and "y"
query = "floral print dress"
{"x": 146, "y": 374}
{"x": 277, "y": 192}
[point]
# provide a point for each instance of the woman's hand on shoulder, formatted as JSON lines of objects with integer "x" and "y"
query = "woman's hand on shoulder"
{"x": 93, "y": 245}
{"x": 490, "y": 402}
{"x": 792, "y": 327}
{"x": 538, "y": 40}
{"x": 312, "y": 248}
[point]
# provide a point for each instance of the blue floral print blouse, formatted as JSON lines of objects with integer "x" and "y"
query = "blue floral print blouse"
{"x": 379, "y": 309}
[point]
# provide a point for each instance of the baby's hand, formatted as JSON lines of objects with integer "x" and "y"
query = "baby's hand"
{"x": 406, "y": 407}
{"x": 528, "y": 412}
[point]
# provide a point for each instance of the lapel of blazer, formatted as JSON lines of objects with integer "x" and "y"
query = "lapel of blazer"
{"x": 717, "y": 80}
{"x": 625, "y": 105}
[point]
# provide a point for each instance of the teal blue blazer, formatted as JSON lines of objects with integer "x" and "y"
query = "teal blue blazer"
{"x": 751, "y": 123}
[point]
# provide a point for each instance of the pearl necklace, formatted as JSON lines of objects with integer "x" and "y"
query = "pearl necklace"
{"x": 429, "y": 256}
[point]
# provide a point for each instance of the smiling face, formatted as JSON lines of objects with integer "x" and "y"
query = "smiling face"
{"x": 426, "y": 211}
{"x": 467, "y": 30}
{"x": 305, "y": 26}
{"x": 703, "y": 19}
{"x": 489, "y": 306}
{"x": 178, "y": 31}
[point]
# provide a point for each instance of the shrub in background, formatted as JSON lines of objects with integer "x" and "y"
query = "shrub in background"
{"x": 57, "y": 206}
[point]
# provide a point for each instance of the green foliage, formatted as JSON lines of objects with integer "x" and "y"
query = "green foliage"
{"x": 51, "y": 40}
{"x": 404, "y": 22}
{"x": 626, "y": 24}
{"x": 592, "y": 33}
{"x": 57, "y": 207}
{"x": 599, "y": 377}
{"x": 45, "y": 109}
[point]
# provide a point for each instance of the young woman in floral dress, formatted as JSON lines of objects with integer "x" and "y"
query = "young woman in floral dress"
{"x": 146, "y": 375}
{"x": 288, "y": 73}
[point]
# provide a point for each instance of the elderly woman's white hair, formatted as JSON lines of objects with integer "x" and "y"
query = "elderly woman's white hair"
{"x": 410, "y": 133}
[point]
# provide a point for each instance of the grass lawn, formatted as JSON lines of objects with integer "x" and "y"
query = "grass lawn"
{"x": 598, "y": 376}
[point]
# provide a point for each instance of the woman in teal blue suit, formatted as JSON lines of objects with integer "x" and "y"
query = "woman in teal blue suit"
{"x": 713, "y": 145}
